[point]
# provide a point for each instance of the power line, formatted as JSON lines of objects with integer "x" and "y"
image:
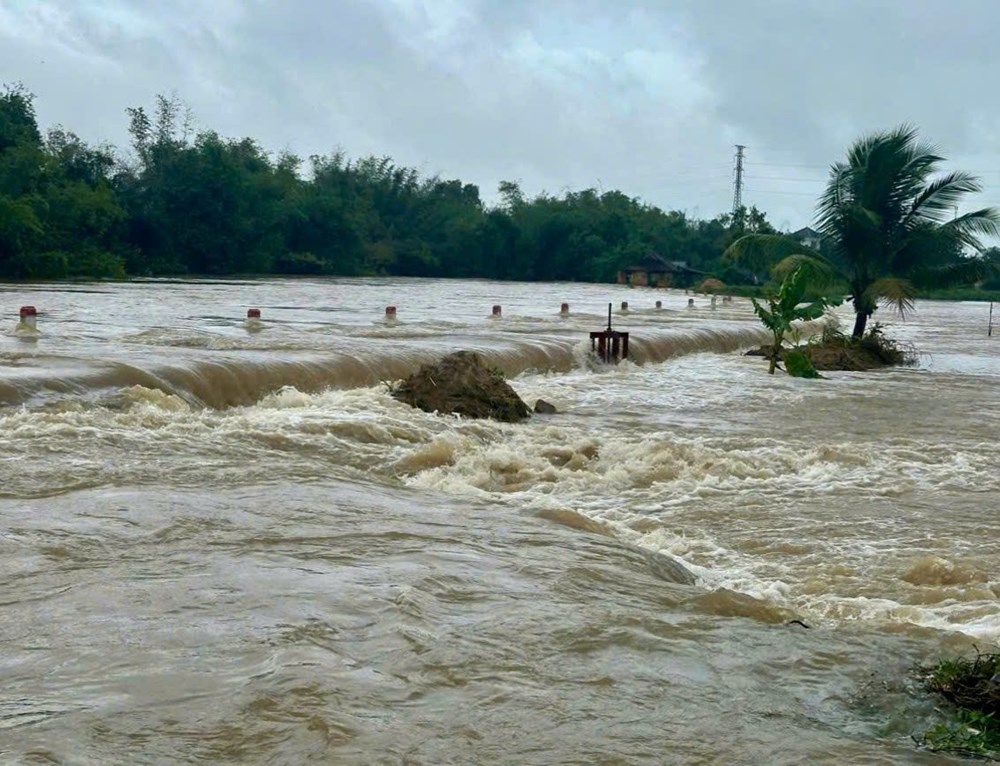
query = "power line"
{"x": 824, "y": 180}
{"x": 762, "y": 163}
{"x": 786, "y": 165}
{"x": 796, "y": 180}
{"x": 778, "y": 191}
{"x": 673, "y": 183}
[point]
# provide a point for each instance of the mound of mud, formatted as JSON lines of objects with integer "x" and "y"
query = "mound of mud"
{"x": 838, "y": 355}
{"x": 462, "y": 384}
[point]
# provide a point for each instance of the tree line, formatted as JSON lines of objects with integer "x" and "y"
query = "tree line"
{"x": 185, "y": 201}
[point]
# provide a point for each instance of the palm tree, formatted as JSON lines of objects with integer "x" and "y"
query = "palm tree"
{"x": 885, "y": 221}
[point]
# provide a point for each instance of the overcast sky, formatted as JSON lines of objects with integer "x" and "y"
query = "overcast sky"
{"x": 648, "y": 96}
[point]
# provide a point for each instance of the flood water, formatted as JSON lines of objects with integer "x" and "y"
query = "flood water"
{"x": 229, "y": 544}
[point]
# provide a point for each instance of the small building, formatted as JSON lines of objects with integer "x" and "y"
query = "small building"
{"x": 808, "y": 237}
{"x": 656, "y": 271}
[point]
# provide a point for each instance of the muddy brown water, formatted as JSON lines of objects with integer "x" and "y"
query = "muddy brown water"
{"x": 228, "y": 544}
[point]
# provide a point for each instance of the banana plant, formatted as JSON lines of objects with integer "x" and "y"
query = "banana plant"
{"x": 783, "y": 309}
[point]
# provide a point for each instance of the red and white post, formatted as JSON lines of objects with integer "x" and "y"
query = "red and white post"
{"x": 28, "y": 317}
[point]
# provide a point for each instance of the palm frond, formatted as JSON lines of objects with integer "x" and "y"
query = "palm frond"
{"x": 970, "y": 226}
{"x": 855, "y": 239}
{"x": 939, "y": 198}
{"x": 814, "y": 310}
{"x": 926, "y": 246}
{"x": 891, "y": 167}
{"x": 758, "y": 252}
{"x": 892, "y": 291}
{"x": 837, "y": 192}
{"x": 817, "y": 269}
{"x": 870, "y": 146}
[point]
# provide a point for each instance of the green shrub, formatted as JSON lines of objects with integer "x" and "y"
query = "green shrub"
{"x": 97, "y": 264}
{"x": 797, "y": 365}
{"x": 50, "y": 265}
{"x": 973, "y": 687}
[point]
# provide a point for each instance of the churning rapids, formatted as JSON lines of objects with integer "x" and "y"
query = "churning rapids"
{"x": 231, "y": 546}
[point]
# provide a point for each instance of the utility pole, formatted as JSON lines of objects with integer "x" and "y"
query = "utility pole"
{"x": 738, "y": 183}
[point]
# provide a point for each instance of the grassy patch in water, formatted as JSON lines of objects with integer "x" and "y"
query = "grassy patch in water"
{"x": 798, "y": 365}
{"x": 972, "y": 686}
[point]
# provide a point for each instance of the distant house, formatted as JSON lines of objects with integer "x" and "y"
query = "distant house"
{"x": 656, "y": 271}
{"x": 808, "y": 237}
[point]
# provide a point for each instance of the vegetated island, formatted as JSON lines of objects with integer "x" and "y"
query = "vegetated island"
{"x": 886, "y": 226}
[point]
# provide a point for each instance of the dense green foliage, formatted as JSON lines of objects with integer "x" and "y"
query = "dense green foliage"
{"x": 784, "y": 308}
{"x": 186, "y": 202}
{"x": 889, "y": 226}
{"x": 970, "y": 684}
{"x": 59, "y": 215}
{"x": 798, "y": 365}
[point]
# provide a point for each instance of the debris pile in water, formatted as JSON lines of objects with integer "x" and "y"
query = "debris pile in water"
{"x": 463, "y": 384}
{"x": 973, "y": 686}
